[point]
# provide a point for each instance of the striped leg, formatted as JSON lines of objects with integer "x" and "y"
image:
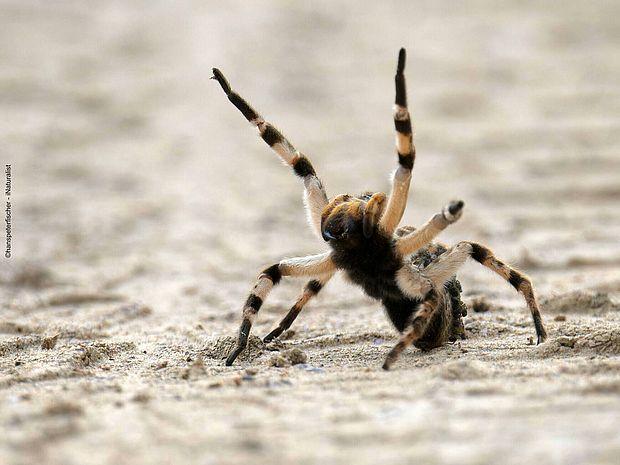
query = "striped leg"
{"x": 313, "y": 265}
{"x": 406, "y": 152}
{"x": 417, "y": 327}
{"x": 311, "y": 289}
{"x": 447, "y": 264}
{"x": 315, "y": 197}
{"x": 409, "y": 243}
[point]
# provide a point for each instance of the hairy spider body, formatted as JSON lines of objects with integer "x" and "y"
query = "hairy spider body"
{"x": 413, "y": 277}
{"x": 374, "y": 262}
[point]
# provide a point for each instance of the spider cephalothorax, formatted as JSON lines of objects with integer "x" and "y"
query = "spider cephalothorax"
{"x": 413, "y": 277}
{"x": 350, "y": 219}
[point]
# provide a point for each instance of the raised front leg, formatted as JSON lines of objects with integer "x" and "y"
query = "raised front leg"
{"x": 405, "y": 149}
{"x": 315, "y": 197}
{"x": 313, "y": 265}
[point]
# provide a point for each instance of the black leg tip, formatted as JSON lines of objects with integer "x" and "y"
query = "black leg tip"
{"x": 402, "y": 58}
{"x": 386, "y": 366}
{"x": 541, "y": 338}
{"x": 453, "y": 211}
{"x": 456, "y": 206}
{"x": 233, "y": 355}
{"x": 272, "y": 335}
{"x": 219, "y": 77}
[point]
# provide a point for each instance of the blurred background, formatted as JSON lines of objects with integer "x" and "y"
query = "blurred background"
{"x": 134, "y": 179}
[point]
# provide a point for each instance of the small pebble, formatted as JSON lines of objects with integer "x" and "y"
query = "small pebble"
{"x": 560, "y": 318}
{"x": 296, "y": 356}
{"x": 480, "y": 305}
{"x": 49, "y": 342}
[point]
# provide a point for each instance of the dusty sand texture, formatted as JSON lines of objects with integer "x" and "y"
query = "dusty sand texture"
{"x": 144, "y": 207}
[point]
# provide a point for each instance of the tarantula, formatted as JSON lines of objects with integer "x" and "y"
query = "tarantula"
{"x": 413, "y": 277}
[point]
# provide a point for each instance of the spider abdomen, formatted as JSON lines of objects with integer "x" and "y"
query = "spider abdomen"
{"x": 372, "y": 264}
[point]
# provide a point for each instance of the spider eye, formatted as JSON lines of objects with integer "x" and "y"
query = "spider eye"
{"x": 334, "y": 230}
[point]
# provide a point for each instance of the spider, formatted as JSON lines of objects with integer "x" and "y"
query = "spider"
{"x": 413, "y": 277}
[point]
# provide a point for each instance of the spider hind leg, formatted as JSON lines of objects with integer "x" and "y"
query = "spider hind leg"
{"x": 446, "y": 323}
{"x": 448, "y": 263}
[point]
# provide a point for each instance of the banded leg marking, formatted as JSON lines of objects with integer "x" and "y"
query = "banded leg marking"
{"x": 520, "y": 281}
{"x": 269, "y": 278}
{"x": 313, "y": 265}
{"x": 310, "y": 290}
{"x": 409, "y": 243}
{"x": 416, "y": 329}
{"x": 315, "y": 197}
{"x": 401, "y": 178}
{"x": 447, "y": 265}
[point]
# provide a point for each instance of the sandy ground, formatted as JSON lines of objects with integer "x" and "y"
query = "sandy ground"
{"x": 144, "y": 207}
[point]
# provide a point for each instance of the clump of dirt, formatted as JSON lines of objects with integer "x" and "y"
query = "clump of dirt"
{"x": 603, "y": 341}
{"x": 89, "y": 354}
{"x": 289, "y": 357}
{"x": 296, "y": 356}
{"x": 587, "y": 302}
{"x": 480, "y": 305}
{"x": 49, "y": 342}
{"x": 221, "y": 347}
